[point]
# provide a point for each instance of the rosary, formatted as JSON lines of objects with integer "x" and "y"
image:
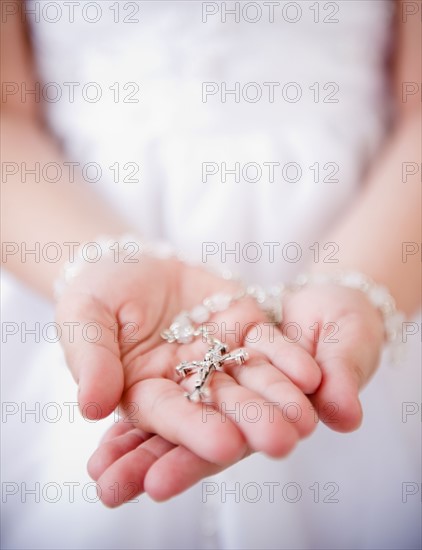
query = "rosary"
{"x": 183, "y": 331}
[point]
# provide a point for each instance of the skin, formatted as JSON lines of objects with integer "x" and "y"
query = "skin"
{"x": 164, "y": 446}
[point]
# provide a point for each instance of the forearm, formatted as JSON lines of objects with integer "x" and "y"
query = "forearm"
{"x": 45, "y": 211}
{"x": 372, "y": 237}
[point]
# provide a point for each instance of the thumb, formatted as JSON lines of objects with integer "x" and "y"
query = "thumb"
{"x": 347, "y": 362}
{"x": 92, "y": 352}
{"x": 337, "y": 399}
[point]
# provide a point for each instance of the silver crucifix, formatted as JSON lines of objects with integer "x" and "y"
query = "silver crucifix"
{"x": 216, "y": 357}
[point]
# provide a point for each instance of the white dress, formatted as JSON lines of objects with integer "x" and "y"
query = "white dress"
{"x": 311, "y": 98}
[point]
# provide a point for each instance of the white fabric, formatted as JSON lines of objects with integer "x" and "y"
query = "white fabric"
{"x": 170, "y": 132}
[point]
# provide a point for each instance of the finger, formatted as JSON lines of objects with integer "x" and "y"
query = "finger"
{"x": 277, "y": 390}
{"x": 246, "y": 324}
{"x": 92, "y": 354}
{"x": 290, "y": 358}
{"x": 113, "y": 449}
{"x": 232, "y": 326}
{"x": 165, "y": 411}
{"x": 263, "y": 427}
{"x": 337, "y": 400}
{"x": 346, "y": 365}
{"x": 118, "y": 428}
{"x": 202, "y": 430}
{"x": 175, "y": 472}
{"x": 123, "y": 480}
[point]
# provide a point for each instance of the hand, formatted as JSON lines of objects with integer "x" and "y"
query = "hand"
{"x": 347, "y": 348}
{"x": 136, "y": 371}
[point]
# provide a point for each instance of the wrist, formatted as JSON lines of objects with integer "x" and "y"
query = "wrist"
{"x": 378, "y": 295}
{"x": 91, "y": 257}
